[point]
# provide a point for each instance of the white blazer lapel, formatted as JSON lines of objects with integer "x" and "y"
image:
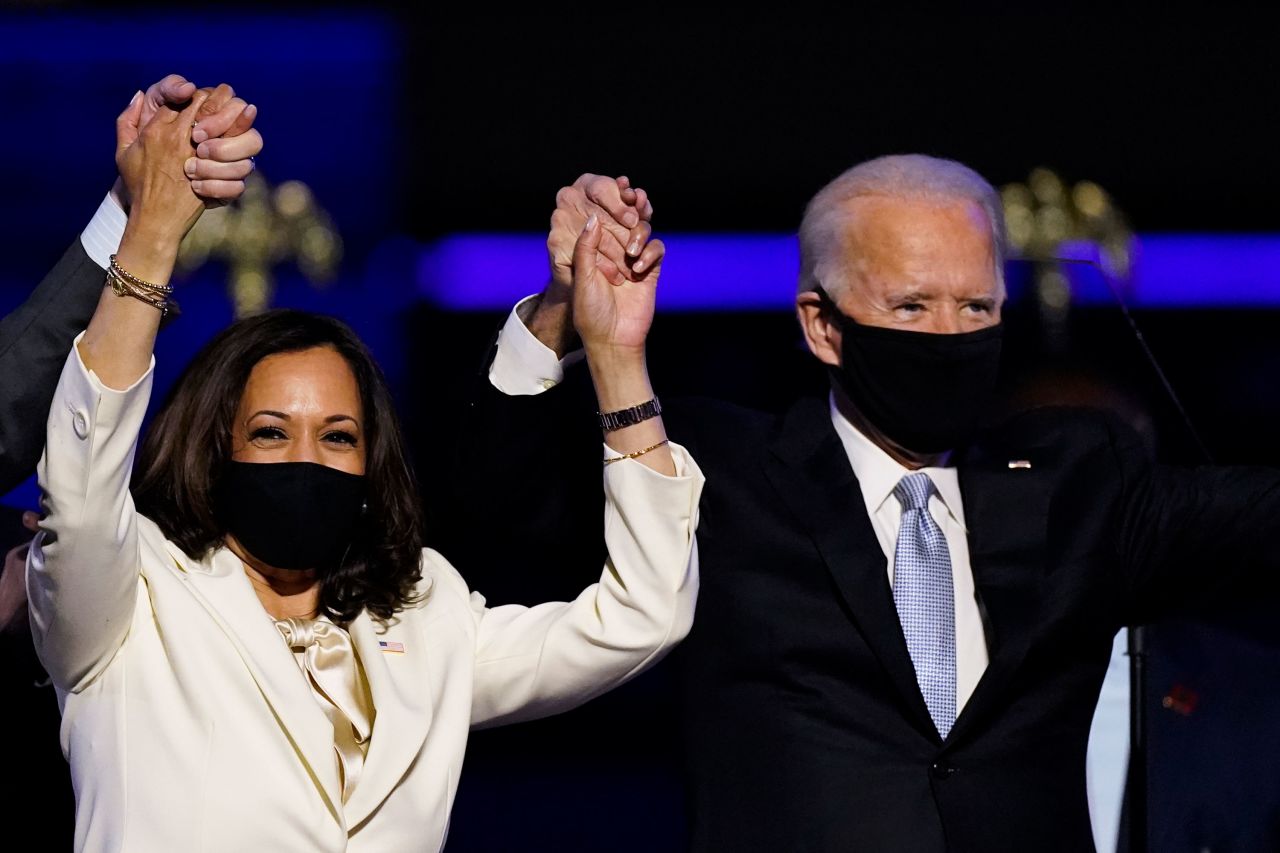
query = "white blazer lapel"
{"x": 400, "y": 679}
{"x": 226, "y": 592}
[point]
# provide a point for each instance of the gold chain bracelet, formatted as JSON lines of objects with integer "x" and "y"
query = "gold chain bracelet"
{"x": 121, "y": 272}
{"x": 637, "y": 454}
{"x": 155, "y": 295}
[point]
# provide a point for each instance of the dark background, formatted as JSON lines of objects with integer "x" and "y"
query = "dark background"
{"x": 411, "y": 125}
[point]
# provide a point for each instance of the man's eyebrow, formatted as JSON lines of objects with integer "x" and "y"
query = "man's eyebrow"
{"x": 912, "y": 295}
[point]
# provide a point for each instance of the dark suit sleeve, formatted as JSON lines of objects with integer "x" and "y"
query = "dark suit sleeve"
{"x": 34, "y": 342}
{"x": 522, "y": 514}
{"x": 1191, "y": 539}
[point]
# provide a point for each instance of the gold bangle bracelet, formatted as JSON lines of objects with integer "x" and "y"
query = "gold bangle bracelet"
{"x": 123, "y": 287}
{"x": 638, "y": 453}
{"x": 121, "y": 272}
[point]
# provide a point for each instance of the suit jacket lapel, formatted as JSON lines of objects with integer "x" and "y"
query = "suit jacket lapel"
{"x": 1006, "y": 512}
{"x": 400, "y": 684}
{"x": 810, "y": 469}
{"x": 225, "y": 591}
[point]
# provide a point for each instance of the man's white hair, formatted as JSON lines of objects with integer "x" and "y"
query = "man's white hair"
{"x": 905, "y": 176}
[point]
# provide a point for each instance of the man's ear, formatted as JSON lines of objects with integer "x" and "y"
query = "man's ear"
{"x": 820, "y": 334}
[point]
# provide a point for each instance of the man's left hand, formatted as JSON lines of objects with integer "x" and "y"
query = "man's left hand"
{"x": 226, "y": 141}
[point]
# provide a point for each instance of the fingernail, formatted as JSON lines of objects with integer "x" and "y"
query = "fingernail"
{"x": 203, "y": 150}
{"x": 591, "y": 222}
{"x": 190, "y": 167}
{"x": 197, "y": 186}
{"x": 199, "y": 135}
{"x": 639, "y": 266}
{"x": 251, "y": 110}
{"x": 634, "y": 248}
{"x": 134, "y": 100}
{"x": 630, "y": 219}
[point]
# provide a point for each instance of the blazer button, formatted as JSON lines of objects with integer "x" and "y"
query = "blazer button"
{"x": 81, "y": 425}
{"x": 942, "y": 770}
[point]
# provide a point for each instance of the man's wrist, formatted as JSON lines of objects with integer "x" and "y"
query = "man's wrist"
{"x": 551, "y": 322}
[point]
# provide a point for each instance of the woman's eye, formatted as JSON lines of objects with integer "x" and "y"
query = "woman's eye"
{"x": 341, "y": 437}
{"x": 267, "y": 433}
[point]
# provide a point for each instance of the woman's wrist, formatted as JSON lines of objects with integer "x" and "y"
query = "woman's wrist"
{"x": 621, "y": 380}
{"x": 149, "y": 251}
{"x": 614, "y": 358}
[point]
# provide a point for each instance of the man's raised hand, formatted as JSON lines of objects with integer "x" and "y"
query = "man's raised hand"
{"x": 225, "y": 139}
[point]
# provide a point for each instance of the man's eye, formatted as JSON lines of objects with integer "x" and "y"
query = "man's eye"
{"x": 267, "y": 432}
{"x": 911, "y": 307}
{"x": 980, "y": 307}
{"x": 341, "y": 437}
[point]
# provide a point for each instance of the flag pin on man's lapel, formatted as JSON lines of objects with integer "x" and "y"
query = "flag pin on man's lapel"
{"x": 391, "y": 647}
{"x": 1019, "y": 464}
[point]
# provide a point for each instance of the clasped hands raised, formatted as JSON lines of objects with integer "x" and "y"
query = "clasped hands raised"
{"x": 180, "y": 149}
{"x": 605, "y": 265}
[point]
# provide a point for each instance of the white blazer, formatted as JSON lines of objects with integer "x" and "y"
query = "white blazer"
{"x": 190, "y": 727}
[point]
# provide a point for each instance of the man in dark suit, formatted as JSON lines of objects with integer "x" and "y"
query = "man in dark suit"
{"x": 34, "y": 341}
{"x": 905, "y": 615}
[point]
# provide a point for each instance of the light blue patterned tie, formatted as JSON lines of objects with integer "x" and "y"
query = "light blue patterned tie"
{"x": 923, "y": 594}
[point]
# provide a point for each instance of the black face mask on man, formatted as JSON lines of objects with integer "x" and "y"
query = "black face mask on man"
{"x": 926, "y": 392}
{"x": 291, "y": 515}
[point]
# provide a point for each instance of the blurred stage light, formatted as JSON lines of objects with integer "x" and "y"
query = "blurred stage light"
{"x": 703, "y": 272}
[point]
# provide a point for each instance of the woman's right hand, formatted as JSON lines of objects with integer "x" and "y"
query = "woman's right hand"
{"x": 151, "y": 161}
{"x": 118, "y": 344}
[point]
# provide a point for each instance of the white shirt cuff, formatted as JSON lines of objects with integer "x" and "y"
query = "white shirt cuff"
{"x": 101, "y": 239}
{"x": 685, "y": 466}
{"x": 523, "y": 365}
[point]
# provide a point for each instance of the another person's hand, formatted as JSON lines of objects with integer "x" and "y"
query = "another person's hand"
{"x": 13, "y": 582}
{"x": 151, "y": 158}
{"x": 224, "y": 135}
{"x": 624, "y": 212}
{"x": 226, "y": 143}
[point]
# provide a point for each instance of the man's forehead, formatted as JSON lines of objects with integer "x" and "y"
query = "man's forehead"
{"x": 915, "y": 249}
{"x": 912, "y": 218}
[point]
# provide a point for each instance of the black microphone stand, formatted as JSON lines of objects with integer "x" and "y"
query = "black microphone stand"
{"x": 1135, "y": 790}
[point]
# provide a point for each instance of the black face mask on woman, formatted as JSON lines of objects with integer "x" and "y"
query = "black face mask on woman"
{"x": 291, "y": 515}
{"x": 926, "y": 392}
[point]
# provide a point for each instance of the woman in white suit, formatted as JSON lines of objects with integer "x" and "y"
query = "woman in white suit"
{"x": 252, "y": 648}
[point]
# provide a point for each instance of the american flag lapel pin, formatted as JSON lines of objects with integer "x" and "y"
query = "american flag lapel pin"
{"x": 391, "y": 647}
{"x": 1019, "y": 464}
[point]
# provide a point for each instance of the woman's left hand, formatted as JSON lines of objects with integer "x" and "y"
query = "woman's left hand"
{"x": 611, "y": 312}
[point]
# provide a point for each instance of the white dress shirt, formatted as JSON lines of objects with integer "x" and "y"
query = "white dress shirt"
{"x": 878, "y": 473}
{"x": 101, "y": 237}
{"x": 523, "y": 365}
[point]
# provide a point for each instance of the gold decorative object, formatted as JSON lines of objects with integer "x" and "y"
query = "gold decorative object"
{"x": 264, "y": 228}
{"x": 1047, "y": 219}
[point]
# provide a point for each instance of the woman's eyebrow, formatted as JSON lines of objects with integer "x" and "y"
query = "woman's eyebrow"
{"x": 335, "y": 418}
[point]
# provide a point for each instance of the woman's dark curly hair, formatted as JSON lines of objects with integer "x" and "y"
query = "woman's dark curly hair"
{"x": 189, "y": 443}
